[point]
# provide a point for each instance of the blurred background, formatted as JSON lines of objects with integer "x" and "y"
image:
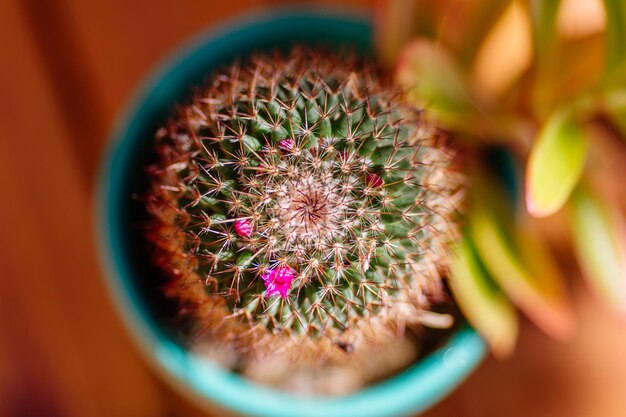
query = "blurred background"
{"x": 67, "y": 68}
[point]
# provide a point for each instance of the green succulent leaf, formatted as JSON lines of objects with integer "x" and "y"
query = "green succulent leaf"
{"x": 482, "y": 303}
{"x": 555, "y": 164}
{"x": 543, "y": 15}
{"x": 615, "y": 107}
{"x": 600, "y": 243}
{"x": 536, "y": 287}
{"x": 434, "y": 79}
{"x": 544, "y": 27}
{"x": 615, "y": 11}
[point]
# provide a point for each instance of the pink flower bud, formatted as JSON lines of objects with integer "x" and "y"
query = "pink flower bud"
{"x": 278, "y": 281}
{"x": 287, "y": 144}
{"x": 374, "y": 180}
{"x": 243, "y": 227}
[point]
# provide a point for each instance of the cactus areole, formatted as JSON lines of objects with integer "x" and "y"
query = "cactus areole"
{"x": 299, "y": 200}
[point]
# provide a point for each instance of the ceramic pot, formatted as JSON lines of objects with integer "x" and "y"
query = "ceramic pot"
{"x": 131, "y": 279}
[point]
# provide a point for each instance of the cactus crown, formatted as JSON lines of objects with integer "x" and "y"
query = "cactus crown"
{"x": 300, "y": 196}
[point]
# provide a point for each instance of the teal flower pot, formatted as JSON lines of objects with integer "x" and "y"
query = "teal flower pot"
{"x": 134, "y": 285}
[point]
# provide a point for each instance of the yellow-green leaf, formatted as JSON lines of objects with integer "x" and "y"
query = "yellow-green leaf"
{"x": 600, "y": 242}
{"x": 555, "y": 165}
{"x": 434, "y": 80}
{"x": 536, "y": 287}
{"x": 482, "y": 303}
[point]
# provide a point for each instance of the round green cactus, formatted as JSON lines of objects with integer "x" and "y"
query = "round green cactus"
{"x": 298, "y": 197}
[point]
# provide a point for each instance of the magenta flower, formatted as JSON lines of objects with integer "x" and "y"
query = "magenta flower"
{"x": 243, "y": 227}
{"x": 278, "y": 281}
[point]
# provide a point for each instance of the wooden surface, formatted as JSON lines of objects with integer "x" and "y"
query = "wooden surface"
{"x": 66, "y": 69}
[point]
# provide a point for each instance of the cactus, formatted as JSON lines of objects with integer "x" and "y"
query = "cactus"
{"x": 299, "y": 201}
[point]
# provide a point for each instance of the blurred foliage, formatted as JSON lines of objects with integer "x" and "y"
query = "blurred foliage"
{"x": 555, "y": 164}
{"x": 539, "y": 78}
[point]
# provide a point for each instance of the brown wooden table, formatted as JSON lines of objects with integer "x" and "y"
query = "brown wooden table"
{"x": 66, "y": 69}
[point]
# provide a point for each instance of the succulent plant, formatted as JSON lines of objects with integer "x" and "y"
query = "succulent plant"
{"x": 300, "y": 202}
{"x": 545, "y": 80}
